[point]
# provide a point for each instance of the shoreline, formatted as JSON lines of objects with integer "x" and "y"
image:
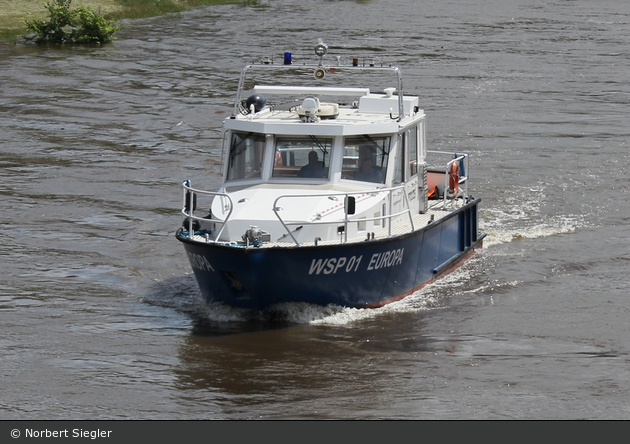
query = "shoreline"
{"x": 13, "y": 11}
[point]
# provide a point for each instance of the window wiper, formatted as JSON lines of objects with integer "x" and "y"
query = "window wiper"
{"x": 233, "y": 152}
{"x": 375, "y": 143}
{"x": 321, "y": 147}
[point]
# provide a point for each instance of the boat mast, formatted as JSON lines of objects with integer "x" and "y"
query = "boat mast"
{"x": 319, "y": 72}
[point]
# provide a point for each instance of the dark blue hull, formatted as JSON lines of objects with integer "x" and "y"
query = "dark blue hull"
{"x": 361, "y": 275}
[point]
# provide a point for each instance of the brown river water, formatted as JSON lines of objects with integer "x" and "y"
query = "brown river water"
{"x": 102, "y": 319}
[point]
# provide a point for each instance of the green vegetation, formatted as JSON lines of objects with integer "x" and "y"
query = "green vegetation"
{"x": 65, "y": 25}
{"x": 13, "y": 13}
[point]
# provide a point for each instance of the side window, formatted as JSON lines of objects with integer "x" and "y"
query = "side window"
{"x": 412, "y": 151}
{"x": 245, "y": 158}
{"x": 401, "y": 163}
{"x": 407, "y": 156}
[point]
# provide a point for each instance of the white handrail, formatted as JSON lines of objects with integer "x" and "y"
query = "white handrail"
{"x": 463, "y": 178}
{"x": 313, "y": 90}
{"x": 346, "y": 219}
{"x": 189, "y": 202}
{"x": 338, "y": 68}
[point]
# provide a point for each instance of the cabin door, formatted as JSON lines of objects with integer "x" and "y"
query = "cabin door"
{"x": 406, "y": 172}
{"x": 417, "y": 163}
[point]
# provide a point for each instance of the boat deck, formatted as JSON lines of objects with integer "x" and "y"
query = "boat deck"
{"x": 435, "y": 212}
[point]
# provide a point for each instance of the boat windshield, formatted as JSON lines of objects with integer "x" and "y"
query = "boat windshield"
{"x": 245, "y": 159}
{"x": 365, "y": 158}
{"x": 306, "y": 157}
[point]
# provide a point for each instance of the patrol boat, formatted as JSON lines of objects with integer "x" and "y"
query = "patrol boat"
{"x": 329, "y": 194}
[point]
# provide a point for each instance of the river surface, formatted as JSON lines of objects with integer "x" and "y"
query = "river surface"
{"x": 100, "y": 317}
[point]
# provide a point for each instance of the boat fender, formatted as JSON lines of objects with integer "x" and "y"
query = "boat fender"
{"x": 453, "y": 180}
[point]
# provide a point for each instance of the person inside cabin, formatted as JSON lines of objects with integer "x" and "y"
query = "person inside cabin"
{"x": 313, "y": 168}
{"x": 368, "y": 172}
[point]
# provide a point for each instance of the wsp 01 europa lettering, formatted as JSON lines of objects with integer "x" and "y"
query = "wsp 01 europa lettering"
{"x": 378, "y": 260}
{"x": 200, "y": 262}
{"x": 333, "y": 264}
{"x": 386, "y": 259}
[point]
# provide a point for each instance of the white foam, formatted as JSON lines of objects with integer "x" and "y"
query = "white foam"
{"x": 496, "y": 237}
{"x": 518, "y": 215}
{"x": 492, "y": 287}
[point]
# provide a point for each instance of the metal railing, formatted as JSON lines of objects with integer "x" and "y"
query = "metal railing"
{"x": 190, "y": 204}
{"x": 346, "y": 219}
{"x": 190, "y": 200}
{"x": 323, "y": 90}
{"x": 462, "y": 161}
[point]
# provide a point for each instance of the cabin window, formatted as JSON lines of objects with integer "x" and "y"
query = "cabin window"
{"x": 246, "y": 153}
{"x": 413, "y": 151}
{"x": 302, "y": 157}
{"x": 407, "y": 156}
{"x": 365, "y": 158}
{"x": 400, "y": 164}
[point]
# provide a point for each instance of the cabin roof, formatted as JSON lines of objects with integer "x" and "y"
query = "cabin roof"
{"x": 372, "y": 114}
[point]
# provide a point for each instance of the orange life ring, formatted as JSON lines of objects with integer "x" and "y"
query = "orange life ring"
{"x": 453, "y": 180}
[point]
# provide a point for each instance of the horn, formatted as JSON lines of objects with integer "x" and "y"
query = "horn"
{"x": 319, "y": 73}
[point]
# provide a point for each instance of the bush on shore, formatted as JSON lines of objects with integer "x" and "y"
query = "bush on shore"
{"x": 12, "y": 19}
{"x": 65, "y": 25}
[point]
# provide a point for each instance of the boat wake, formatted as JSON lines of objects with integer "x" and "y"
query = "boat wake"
{"x": 519, "y": 214}
{"x": 182, "y": 295}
